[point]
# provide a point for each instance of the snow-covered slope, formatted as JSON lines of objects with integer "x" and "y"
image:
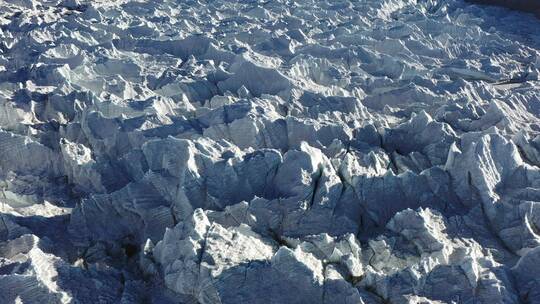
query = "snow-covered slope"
{"x": 373, "y": 151}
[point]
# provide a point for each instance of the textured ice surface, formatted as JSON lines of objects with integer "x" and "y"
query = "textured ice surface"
{"x": 374, "y": 151}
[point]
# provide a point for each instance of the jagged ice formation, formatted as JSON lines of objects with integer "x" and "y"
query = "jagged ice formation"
{"x": 374, "y": 151}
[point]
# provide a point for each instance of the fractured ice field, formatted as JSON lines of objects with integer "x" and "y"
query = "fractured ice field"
{"x": 283, "y": 151}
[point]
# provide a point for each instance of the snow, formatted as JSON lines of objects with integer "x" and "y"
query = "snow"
{"x": 268, "y": 152}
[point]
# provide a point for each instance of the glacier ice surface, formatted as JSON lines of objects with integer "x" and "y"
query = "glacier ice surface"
{"x": 374, "y": 151}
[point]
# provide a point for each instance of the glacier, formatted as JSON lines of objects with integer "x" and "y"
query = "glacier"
{"x": 314, "y": 151}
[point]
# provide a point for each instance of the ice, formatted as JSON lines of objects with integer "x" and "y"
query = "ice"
{"x": 269, "y": 152}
